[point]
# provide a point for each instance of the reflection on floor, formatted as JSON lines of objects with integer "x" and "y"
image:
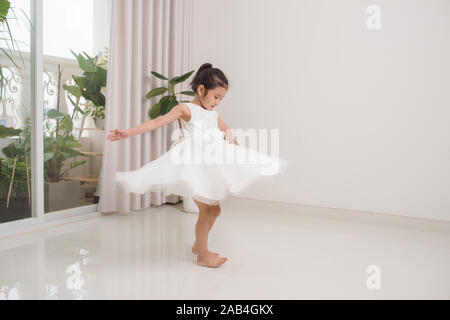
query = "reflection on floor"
{"x": 275, "y": 251}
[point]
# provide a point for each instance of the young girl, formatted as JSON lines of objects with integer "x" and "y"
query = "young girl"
{"x": 207, "y": 182}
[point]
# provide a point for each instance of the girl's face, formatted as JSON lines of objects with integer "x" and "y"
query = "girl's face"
{"x": 213, "y": 97}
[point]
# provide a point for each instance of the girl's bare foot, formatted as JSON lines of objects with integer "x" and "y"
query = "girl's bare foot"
{"x": 210, "y": 260}
{"x": 195, "y": 250}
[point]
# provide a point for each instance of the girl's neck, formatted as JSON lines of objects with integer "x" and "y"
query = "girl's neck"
{"x": 198, "y": 104}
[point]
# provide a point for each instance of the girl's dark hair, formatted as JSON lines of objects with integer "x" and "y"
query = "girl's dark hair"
{"x": 209, "y": 77}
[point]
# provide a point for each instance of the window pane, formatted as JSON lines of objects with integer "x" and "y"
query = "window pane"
{"x": 76, "y": 35}
{"x": 15, "y": 112}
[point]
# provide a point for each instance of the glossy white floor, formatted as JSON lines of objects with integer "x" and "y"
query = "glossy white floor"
{"x": 275, "y": 251}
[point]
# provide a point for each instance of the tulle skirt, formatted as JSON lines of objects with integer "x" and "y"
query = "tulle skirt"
{"x": 208, "y": 174}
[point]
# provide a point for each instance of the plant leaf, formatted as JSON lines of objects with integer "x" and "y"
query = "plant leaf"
{"x": 75, "y": 164}
{"x": 73, "y": 90}
{"x": 188, "y": 93}
{"x": 71, "y": 153}
{"x": 182, "y": 78}
{"x": 168, "y": 104}
{"x": 91, "y": 82}
{"x": 164, "y": 107}
{"x": 79, "y": 81}
{"x": 4, "y": 8}
{"x": 156, "y": 92}
{"x": 67, "y": 123}
{"x": 9, "y": 132}
{"x": 12, "y": 151}
{"x": 101, "y": 76}
{"x": 55, "y": 114}
{"x": 85, "y": 64}
{"x": 155, "y": 111}
{"x": 160, "y": 76}
{"x": 73, "y": 144}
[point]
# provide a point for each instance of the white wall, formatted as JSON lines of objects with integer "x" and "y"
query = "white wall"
{"x": 363, "y": 114}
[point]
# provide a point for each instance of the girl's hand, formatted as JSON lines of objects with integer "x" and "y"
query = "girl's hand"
{"x": 117, "y": 135}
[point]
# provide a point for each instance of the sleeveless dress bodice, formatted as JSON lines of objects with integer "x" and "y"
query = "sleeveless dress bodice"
{"x": 202, "y": 125}
{"x": 201, "y": 118}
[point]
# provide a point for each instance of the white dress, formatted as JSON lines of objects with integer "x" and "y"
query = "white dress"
{"x": 202, "y": 164}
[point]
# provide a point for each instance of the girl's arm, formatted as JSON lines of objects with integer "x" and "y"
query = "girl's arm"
{"x": 174, "y": 114}
{"x": 224, "y": 127}
{"x": 161, "y": 121}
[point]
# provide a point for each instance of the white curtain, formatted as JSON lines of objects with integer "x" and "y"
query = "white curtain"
{"x": 146, "y": 35}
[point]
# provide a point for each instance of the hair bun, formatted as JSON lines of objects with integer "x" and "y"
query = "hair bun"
{"x": 204, "y": 66}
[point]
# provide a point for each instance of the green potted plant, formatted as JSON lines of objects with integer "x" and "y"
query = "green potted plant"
{"x": 15, "y": 188}
{"x": 91, "y": 85}
{"x": 164, "y": 105}
{"x": 59, "y": 146}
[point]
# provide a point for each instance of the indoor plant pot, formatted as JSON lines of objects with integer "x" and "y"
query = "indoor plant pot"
{"x": 99, "y": 123}
{"x": 61, "y": 195}
{"x": 189, "y": 205}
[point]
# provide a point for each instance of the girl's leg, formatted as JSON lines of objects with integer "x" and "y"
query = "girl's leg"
{"x": 205, "y": 258}
{"x": 215, "y": 212}
{"x": 205, "y": 210}
{"x": 202, "y": 227}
